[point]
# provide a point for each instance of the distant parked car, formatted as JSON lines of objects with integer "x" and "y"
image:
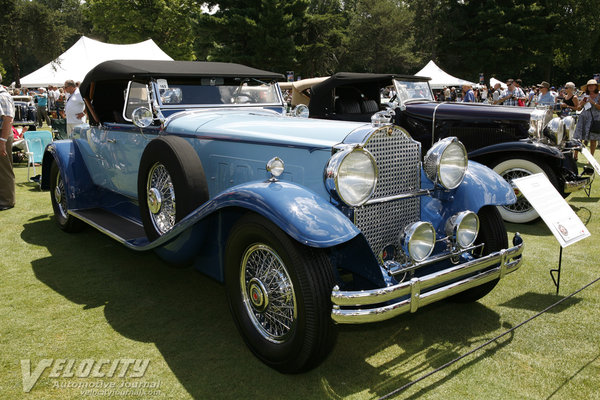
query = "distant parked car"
{"x": 307, "y": 222}
{"x": 25, "y": 112}
{"x": 513, "y": 141}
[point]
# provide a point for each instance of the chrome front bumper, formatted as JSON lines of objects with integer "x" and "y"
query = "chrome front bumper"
{"x": 462, "y": 277}
{"x": 580, "y": 183}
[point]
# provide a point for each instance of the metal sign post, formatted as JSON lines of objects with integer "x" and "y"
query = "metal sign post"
{"x": 564, "y": 224}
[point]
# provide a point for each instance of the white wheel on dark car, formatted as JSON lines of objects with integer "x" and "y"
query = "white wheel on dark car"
{"x": 512, "y": 168}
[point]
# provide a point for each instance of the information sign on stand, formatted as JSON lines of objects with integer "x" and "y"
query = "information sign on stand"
{"x": 560, "y": 218}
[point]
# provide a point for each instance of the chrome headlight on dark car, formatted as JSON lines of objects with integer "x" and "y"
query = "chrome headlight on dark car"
{"x": 569, "y": 124}
{"x": 555, "y": 131}
{"x": 351, "y": 176}
{"x": 538, "y": 120}
{"x": 446, "y": 163}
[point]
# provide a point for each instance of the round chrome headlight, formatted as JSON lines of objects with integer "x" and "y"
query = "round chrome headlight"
{"x": 446, "y": 163}
{"x": 418, "y": 240}
{"x": 352, "y": 176}
{"x": 463, "y": 228}
{"x": 555, "y": 130}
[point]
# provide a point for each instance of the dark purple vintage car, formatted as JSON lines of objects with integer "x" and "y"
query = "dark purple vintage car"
{"x": 513, "y": 141}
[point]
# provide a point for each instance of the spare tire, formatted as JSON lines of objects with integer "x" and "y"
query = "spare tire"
{"x": 171, "y": 184}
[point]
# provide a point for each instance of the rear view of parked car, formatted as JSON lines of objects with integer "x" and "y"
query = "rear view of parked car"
{"x": 25, "y": 112}
{"x": 309, "y": 223}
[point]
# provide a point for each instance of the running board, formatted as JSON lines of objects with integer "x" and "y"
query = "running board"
{"x": 121, "y": 229}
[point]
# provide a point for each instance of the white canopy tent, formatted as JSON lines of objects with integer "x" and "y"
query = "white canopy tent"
{"x": 493, "y": 82}
{"x": 84, "y": 55}
{"x": 440, "y": 78}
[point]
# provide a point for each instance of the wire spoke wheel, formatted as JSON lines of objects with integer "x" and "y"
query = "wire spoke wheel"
{"x": 60, "y": 196}
{"x": 522, "y": 205}
{"x": 268, "y": 293}
{"x": 161, "y": 198}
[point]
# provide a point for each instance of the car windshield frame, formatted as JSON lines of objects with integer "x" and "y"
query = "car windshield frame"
{"x": 227, "y": 92}
{"x": 410, "y": 91}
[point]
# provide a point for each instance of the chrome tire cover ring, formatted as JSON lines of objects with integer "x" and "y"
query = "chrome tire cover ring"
{"x": 262, "y": 268}
{"x": 160, "y": 181}
{"x": 522, "y": 205}
{"x": 60, "y": 197}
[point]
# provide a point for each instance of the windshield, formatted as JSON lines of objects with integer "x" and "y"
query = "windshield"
{"x": 412, "y": 91}
{"x": 217, "y": 91}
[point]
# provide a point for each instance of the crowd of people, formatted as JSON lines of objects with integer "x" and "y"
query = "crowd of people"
{"x": 50, "y": 102}
{"x": 565, "y": 100}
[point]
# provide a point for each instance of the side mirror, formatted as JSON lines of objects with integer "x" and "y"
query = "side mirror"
{"x": 142, "y": 117}
{"x": 301, "y": 111}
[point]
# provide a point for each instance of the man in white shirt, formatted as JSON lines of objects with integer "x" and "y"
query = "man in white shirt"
{"x": 7, "y": 176}
{"x": 74, "y": 107}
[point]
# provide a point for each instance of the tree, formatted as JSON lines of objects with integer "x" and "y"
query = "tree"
{"x": 260, "y": 33}
{"x": 167, "y": 22}
{"x": 321, "y": 39}
{"x": 379, "y": 37}
{"x": 30, "y": 32}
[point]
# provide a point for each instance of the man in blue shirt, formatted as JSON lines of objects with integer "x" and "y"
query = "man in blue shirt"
{"x": 546, "y": 98}
{"x": 42, "y": 107}
{"x": 468, "y": 95}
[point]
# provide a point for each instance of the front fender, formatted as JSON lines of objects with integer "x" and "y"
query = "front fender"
{"x": 299, "y": 212}
{"x": 524, "y": 146}
{"x": 480, "y": 187}
{"x": 304, "y": 215}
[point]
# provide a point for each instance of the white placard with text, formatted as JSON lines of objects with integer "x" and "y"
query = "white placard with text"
{"x": 564, "y": 224}
{"x": 586, "y": 153}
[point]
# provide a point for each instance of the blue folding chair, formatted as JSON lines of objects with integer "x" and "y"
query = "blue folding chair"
{"x": 36, "y": 142}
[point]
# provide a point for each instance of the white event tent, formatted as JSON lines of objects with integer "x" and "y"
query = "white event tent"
{"x": 493, "y": 82}
{"x": 440, "y": 78}
{"x": 84, "y": 55}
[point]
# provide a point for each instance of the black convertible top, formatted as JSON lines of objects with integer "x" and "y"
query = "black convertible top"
{"x": 129, "y": 69}
{"x": 344, "y": 78}
{"x": 369, "y": 84}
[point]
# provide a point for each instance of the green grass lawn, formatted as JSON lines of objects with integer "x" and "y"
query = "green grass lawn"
{"x": 84, "y": 296}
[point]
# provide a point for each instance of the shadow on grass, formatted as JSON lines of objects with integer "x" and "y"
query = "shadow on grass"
{"x": 570, "y": 379}
{"x": 186, "y": 316}
{"x": 539, "y": 301}
{"x": 383, "y": 357}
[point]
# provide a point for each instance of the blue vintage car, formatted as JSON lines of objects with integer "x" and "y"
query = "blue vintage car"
{"x": 308, "y": 223}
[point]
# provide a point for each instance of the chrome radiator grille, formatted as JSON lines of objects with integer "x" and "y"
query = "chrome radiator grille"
{"x": 398, "y": 160}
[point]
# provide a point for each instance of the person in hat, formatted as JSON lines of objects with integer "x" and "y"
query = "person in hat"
{"x": 7, "y": 176}
{"x": 546, "y": 97}
{"x": 590, "y": 113}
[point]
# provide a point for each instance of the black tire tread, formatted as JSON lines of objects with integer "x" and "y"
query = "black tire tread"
{"x": 319, "y": 333}
{"x": 493, "y": 232}
{"x": 69, "y": 224}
